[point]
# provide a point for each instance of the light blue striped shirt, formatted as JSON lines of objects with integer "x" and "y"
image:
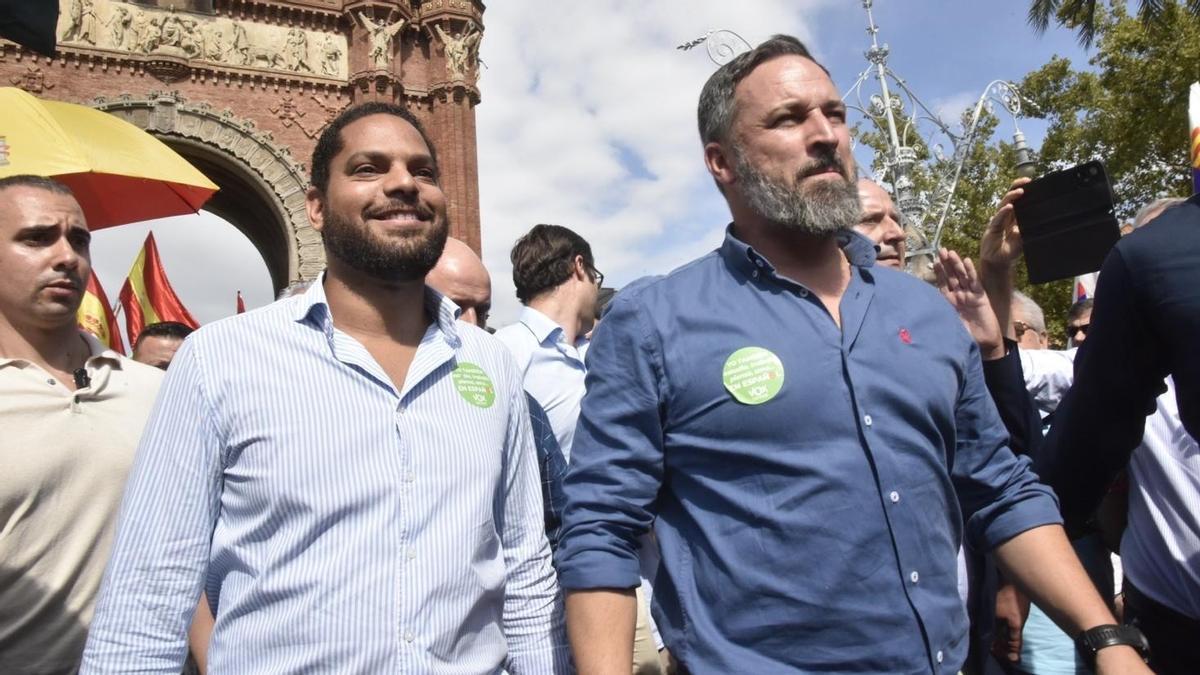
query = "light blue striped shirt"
{"x": 338, "y": 525}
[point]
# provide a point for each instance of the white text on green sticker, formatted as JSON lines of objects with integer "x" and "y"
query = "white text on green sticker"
{"x": 753, "y": 375}
{"x": 474, "y": 385}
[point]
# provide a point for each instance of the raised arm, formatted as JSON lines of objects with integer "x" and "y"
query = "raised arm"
{"x": 999, "y": 250}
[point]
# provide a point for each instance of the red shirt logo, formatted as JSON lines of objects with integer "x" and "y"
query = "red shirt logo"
{"x": 905, "y": 336}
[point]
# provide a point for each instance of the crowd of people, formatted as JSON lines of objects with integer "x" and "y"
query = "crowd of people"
{"x": 789, "y": 455}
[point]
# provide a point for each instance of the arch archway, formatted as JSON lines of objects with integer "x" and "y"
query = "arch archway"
{"x": 262, "y": 186}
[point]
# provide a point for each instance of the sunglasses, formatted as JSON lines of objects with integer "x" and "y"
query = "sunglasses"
{"x": 1072, "y": 331}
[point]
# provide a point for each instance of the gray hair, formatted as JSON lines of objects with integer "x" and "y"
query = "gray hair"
{"x": 717, "y": 106}
{"x": 1153, "y": 209}
{"x": 294, "y": 288}
{"x": 1032, "y": 311}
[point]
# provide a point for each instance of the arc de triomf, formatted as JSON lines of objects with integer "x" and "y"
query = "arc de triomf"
{"x": 243, "y": 87}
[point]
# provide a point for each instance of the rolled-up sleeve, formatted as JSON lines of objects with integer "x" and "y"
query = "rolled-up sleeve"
{"x": 999, "y": 494}
{"x": 164, "y": 531}
{"x": 533, "y": 613}
{"x": 617, "y": 458}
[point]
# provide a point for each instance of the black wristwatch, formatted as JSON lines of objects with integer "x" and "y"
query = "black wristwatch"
{"x": 1093, "y": 640}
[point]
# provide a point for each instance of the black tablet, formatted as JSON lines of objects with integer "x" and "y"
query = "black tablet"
{"x": 1067, "y": 223}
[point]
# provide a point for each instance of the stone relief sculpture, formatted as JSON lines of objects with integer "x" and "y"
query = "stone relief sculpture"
{"x": 111, "y": 24}
{"x": 460, "y": 50}
{"x": 82, "y": 20}
{"x": 381, "y": 39}
{"x": 331, "y": 56}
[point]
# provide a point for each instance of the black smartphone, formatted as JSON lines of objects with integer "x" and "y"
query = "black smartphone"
{"x": 1067, "y": 222}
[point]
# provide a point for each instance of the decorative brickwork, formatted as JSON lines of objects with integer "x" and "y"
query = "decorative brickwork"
{"x": 244, "y": 90}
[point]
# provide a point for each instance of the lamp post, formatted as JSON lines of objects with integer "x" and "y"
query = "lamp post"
{"x": 905, "y": 123}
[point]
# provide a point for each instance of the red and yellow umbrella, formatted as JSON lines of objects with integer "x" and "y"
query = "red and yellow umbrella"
{"x": 118, "y": 172}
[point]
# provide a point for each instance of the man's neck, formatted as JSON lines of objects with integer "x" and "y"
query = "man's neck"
{"x": 815, "y": 261}
{"x": 561, "y": 310}
{"x": 58, "y": 350}
{"x": 373, "y": 310}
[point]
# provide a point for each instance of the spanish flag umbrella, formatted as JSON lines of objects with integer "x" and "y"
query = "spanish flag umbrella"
{"x": 118, "y": 172}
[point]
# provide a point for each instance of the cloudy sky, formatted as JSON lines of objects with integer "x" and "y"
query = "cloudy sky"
{"x": 588, "y": 121}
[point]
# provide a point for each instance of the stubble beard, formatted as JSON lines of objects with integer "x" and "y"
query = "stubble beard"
{"x": 394, "y": 260}
{"x": 820, "y": 209}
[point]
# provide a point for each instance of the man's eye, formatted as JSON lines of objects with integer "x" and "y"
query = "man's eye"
{"x": 365, "y": 168}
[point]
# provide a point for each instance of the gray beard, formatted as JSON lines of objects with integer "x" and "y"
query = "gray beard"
{"x": 821, "y": 209}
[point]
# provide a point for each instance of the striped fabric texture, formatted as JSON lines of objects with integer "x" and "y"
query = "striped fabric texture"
{"x": 337, "y": 524}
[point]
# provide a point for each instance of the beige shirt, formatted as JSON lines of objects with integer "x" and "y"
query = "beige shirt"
{"x": 64, "y": 457}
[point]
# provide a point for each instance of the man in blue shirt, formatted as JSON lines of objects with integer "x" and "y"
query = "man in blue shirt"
{"x": 349, "y": 472}
{"x": 807, "y": 433}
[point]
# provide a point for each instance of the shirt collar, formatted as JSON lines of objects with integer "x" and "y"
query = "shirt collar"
{"x": 96, "y": 350}
{"x": 859, "y": 250}
{"x": 313, "y": 306}
{"x": 543, "y": 327}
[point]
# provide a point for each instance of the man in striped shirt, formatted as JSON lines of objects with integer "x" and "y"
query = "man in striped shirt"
{"x": 349, "y": 472}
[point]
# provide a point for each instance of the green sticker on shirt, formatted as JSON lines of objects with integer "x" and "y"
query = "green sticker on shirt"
{"x": 753, "y": 375}
{"x": 474, "y": 385}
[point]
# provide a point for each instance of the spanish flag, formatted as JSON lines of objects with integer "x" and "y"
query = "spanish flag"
{"x": 96, "y": 317}
{"x": 1194, "y": 119}
{"x": 147, "y": 296}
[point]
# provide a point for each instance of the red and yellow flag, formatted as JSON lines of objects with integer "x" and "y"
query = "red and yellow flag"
{"x": 95, "y": 316}
{"x": 147, "y": 296}
{"x": 241, "y": 304}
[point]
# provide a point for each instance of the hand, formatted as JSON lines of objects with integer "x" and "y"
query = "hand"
{"x": 959, "y": 284}
{"x": 1120, "y": 660}
{"x": 1012, "y": 608}
{"x": 1001, "y": 243}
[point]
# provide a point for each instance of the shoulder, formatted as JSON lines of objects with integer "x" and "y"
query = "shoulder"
{"x": 139, "y": 375}
{"x": 253, "y": 328}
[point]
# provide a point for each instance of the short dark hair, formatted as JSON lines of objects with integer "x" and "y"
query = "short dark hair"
{"x": 717, "y": 105}
{"x": 39, "y": 182}
{"x": 164, "y": 329}
{"x": 1077, "y": 310}
{"x": 330, "y": 141}
{"x": 545, "y": 258}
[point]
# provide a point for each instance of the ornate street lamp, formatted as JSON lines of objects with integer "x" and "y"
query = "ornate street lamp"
{"x": 907, "y": 123}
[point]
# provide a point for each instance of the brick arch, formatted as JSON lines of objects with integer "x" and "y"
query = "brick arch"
{"x": 262, "y": 186}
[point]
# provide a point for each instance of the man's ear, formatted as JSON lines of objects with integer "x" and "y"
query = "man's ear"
{"x": 313, "y": 201}
{"x": 719, "y": 163}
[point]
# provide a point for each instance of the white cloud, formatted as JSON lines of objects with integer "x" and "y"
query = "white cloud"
{"x": 588, "y": 120}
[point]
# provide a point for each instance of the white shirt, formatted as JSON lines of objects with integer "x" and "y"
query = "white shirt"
{"x": 1162, "y": 540}
{"x": 553, "y": 370}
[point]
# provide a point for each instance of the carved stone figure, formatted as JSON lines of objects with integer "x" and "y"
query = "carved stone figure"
{"x": 149, "y": 32}
{"x": 238, "y": 52}
{"x": 171, "y": 34}
{"x": 381, "y": 39}
{"x": 331, "y": 57}
{"x": 118, "y": 26}
{"x": 296, "y": 51}
{"x": 82, "y": 22}
{"x": 211, "y": 38}
{"x": 190, "y": 39}
{"x": 460, "y": 50}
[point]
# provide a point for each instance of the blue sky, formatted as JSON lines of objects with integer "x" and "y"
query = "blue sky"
{"x": 588, "y": 121}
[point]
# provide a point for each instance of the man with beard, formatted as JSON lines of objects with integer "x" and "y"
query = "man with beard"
{"x": 880, "y": 222}
{"x": 349, "y": 472}
{"x": 71, "y": 411}
{"x": 807, "y": 495}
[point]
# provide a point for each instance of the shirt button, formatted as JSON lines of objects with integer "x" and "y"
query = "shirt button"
{"x": 758, "y": 262}
{"x": 867, "y": 420}
{"x": 400, "y": 409}
{"x": 894, "y": 496}
{"x": 914, "y": 577}
{"x": 408, "y": 636}
{"x": 412, "y": 553}
{"x": 409, "y": 477}
{"x": 755, "y": 274}
{"x": 50, "y": 382}
{"x": 804, "y": 292}
{"x": 940, "y": 656}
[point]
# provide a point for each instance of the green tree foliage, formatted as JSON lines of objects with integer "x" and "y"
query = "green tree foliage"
{"x": 1082, "y": 15}
{"x": 1131, "y": 110}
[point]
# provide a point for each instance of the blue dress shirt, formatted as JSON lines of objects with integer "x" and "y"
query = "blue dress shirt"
{"x": 552, "y": 370}
{"x": 815, "y": 532}
{"x": 338, "y": 524}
